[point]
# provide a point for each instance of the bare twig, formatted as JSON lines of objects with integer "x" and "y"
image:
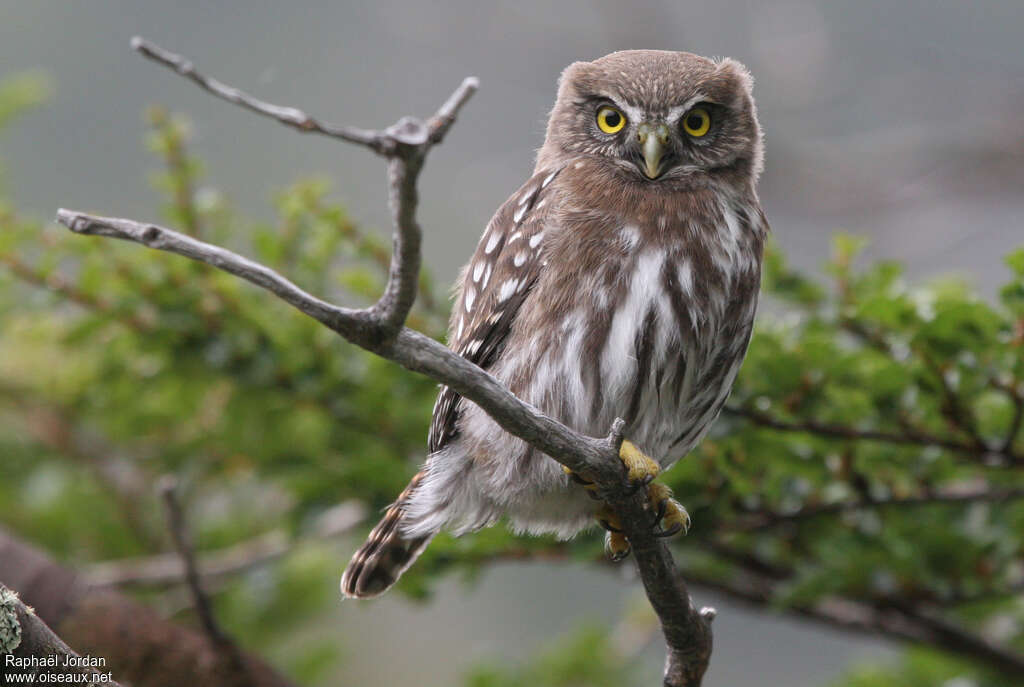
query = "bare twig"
{"x": 380, "y": 329}
{"x": 176, "y": 522}
{"x": 165, "y": 569}
{"x": 379, "y": 141}
{"x": 286, "y": 115}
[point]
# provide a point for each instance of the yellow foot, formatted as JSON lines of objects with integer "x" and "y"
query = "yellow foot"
{"x": 616, "y": 546}
{"x": 670, "y": 517}
{"x": 639, "y": 467}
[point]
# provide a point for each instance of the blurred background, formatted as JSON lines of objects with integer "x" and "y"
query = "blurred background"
{"x": 898, "y": 121}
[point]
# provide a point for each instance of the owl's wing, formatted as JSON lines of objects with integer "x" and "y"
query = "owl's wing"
{"x": 492, "y": 288}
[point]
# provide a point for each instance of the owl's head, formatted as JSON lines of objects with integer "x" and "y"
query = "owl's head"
{"x": 657, "y": 116}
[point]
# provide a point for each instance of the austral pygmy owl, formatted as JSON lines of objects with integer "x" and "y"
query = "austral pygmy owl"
{"x": 620, "y": 281}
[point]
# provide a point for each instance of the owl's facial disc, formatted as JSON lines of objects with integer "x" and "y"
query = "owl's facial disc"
{"x": 653, "y": 138}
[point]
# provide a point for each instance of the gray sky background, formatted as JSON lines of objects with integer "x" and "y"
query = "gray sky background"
{"x": 897, "y": 120}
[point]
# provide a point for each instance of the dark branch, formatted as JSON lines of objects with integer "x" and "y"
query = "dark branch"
{"x": 880, "y": 617}
{"x": 1016, "y": 395}
{"x": 58, "y": 284}
{"x": 141, "y": 648}
{"x": 907, "y": 438}
{"x": 24, "y": 636}
{"x": 380, "y": 329}
{"x": 168, "y": 569}
{"x": 182, "y": 542}
{"x": 956, "y": 412}
{"x": 970, "y": 494}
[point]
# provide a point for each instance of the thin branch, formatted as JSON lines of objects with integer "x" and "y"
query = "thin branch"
{"x": 286, "y": 115}
{"x": 873, "y": 618}
{"x": 841, "y": 432}
{"x": 958, "y": 414}
{"x": 24, "y": 637}
{"x": 166, "y": 569}
{"x": 58, "y": 284}
{"x": 380, "y": 329}
{"x": 176, "y": 522}
{"x": 1017, "y": 421}
{"x": 962, "y": 597}
{"x": 145, "y": 649}
{"x": 985, "y": 494}
{"x": 951, "y": 635}
{"x": 380, "y": 142}
{"x": 410, "y": 349}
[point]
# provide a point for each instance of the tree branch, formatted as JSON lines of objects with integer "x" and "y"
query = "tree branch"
{"x": 168, "y": 488}
{"x": 289, "y": 116}
{"x": 380, "y": 330}
{"x": 24, "y": 636}
{"x": 140, "y": 648}
{"x": 1016, "y": 396}
{"x": 755, "y": 587}
{"x": 60, "y": 285}
{"x": 908, "y": 438}
{"x": 961, "y": 495}
{"x": 167, "y": 569}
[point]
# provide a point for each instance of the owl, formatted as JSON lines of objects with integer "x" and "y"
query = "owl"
{"x": 620, "y": 281}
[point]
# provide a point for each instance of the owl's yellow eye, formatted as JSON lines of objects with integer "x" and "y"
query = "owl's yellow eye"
{"x": 610, "y": 120}
{"x": 697, "y": 122}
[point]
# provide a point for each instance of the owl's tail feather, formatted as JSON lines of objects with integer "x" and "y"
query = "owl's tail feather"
{"x": 386, "y": 554}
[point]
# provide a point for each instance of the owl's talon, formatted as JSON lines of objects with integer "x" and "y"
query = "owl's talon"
{"x": 670, "y": 532}
{"x": 660, "y": 512}
{"x": 667, "y": 511}
{"x": 616, "y": 546}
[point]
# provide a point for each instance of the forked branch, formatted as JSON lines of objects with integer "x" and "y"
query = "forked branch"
{"x": 380, "y": 329}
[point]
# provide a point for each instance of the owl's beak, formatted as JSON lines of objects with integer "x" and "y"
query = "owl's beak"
{"x": 653, "y": 138}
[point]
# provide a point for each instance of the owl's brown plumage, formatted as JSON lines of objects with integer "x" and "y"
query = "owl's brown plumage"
{"x": 620, "y": 281}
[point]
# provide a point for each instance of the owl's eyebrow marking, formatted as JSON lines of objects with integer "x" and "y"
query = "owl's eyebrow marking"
{"x": 595, "y": 100}
{"x": 678, "y": 111}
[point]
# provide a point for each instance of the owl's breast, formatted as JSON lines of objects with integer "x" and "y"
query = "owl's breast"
{"x": 653, "y": 332}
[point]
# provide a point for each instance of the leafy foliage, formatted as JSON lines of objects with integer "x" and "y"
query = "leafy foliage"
{"x": 921, "y": 668}
{"x": 588, "y": 657}
{"x": 872, "y": 454}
